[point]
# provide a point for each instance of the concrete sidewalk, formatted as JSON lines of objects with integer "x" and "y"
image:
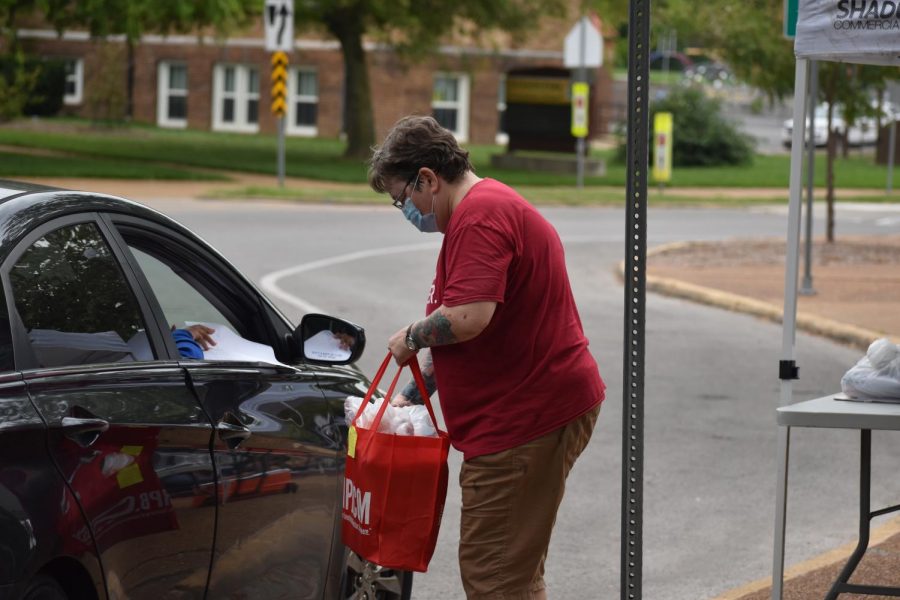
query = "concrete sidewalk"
{"x": 857, "y": 283}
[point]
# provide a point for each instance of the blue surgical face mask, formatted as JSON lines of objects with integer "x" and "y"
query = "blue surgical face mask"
{"x": 424, "y": 223}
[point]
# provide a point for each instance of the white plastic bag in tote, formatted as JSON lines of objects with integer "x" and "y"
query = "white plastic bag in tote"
{"x": 877, "y": 374}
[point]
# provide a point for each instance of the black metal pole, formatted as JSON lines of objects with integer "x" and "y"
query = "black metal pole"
{"x": 635, "y": 293}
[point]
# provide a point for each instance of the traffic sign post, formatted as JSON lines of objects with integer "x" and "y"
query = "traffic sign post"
{"x": 583, "y": 48}
{"x": 279, "y": 104}
{"x": 580, "y": 123}
{"x": 279, "y": 23}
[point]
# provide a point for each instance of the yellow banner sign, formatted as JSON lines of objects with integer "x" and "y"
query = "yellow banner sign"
{"x": 662, "y": 147}
{"x": 580, "y": 109}
{"x": 537, "y": 90}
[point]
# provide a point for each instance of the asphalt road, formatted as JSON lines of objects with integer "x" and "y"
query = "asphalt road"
{"x": 710, "y": 394}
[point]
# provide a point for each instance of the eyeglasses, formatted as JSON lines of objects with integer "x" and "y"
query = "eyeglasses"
{"x": 401, "y": 200}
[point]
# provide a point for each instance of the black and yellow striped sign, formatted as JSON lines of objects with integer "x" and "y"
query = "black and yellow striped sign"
{"x": 279, "y": 83}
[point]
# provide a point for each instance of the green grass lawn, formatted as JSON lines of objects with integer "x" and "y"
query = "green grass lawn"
{"x": 150, "y": 152}
{"x": 14, "y": 165}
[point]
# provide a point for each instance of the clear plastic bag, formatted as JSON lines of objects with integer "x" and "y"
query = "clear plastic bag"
{"x": 399, "y": 420}
{"x": 877, "y": 374}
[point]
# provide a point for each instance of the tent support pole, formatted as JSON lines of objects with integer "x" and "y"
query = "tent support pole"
{"x": 788, "y": 370}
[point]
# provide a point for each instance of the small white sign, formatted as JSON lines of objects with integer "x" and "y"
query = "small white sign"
{"x": 593, "y": 46}
{"x": 279, "y": 19}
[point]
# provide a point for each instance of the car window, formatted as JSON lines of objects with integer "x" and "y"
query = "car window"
{"x": 74, "y": 302}
{"x": 184, "y": 305}
{"x": 180, "y": 302}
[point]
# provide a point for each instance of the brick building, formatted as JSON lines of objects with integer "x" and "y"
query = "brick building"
{"x": 205, "y": 83}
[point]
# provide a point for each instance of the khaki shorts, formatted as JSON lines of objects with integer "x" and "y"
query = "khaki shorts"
{"x": 509, "y": 503}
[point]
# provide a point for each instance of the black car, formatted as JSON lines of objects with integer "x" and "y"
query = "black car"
{"x": 128, "y": 470}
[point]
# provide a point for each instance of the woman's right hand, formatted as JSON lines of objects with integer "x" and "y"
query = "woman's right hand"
{"x": 400, "y": 400}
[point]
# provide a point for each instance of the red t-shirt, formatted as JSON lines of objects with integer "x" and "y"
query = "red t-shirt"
{"x": 529, "y": 372}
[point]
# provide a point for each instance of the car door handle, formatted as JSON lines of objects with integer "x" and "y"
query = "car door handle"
{"x": 84, "y": 431}
{"x": 230, "y": 432}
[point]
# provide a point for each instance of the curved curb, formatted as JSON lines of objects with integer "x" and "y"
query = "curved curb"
{"x": 844, "y": 333}
{"x": 826, "y": 559}
{"x": 851, "y": 335}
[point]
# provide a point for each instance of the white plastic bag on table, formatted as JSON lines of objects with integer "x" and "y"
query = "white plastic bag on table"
{"x": 877, "y": 374}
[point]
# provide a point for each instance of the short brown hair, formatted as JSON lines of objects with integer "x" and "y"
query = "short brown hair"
{"x": 412, "y": 143}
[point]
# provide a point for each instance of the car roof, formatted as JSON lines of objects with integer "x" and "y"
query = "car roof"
{"x": 24, "y": 206}
{"x": 9, "y": 188}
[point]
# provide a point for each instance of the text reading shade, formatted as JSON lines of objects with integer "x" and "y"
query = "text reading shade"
{"x": 74, "y": 301}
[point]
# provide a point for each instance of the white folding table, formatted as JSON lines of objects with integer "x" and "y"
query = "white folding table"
{"x": 842, "y": 414}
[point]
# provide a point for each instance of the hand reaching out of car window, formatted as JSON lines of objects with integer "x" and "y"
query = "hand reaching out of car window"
{"x": 202, "y": 335}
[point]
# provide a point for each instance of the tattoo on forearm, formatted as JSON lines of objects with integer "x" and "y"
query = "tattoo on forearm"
{"x": 435, "y": 330}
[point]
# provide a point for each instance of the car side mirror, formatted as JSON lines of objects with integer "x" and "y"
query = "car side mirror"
{"x": 327, "y": 340}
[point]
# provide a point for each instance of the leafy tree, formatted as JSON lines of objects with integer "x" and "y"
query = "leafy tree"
{"x": 747, "y": 35}
{"x": 132, "y": 18}
{"x": 17, "y": 82}
{"x": 412, "y": 28}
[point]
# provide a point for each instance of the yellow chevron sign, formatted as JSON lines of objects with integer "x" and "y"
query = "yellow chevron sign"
{"x": 279, "y": 83}
{"x": 279, "y": 59}
{"x": 279, "y": 107}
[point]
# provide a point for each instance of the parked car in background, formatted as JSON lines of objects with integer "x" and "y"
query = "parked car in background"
{"x": 129, "y": 471}
{"x": 863, "y": 132}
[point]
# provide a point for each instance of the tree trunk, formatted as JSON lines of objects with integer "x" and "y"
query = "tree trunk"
{"x": 129, "y": 101}
{"x": 829, "y": 177}
{"x": 359, "y": 122}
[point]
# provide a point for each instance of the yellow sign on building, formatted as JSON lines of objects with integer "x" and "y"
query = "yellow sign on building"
{"x": 279, "y": 83}
{"x": 537, "y": 90}
{"x": 662, "y": 147}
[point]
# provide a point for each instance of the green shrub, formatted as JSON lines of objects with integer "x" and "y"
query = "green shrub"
{"x": 17, "y": 83}
{"x": 702, "y": 136}
{"x": 47, "y": 97}
{"x": 30, "y": 86}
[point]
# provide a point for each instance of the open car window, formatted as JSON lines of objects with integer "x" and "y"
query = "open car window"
{"x": 74, "y": 302}
{"x": 191, "y": 292}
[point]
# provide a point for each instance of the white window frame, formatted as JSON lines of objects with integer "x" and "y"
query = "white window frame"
{"x": 163, "y": 93}
{"x": 78, "y": 78}
{"x": 461, "y": 105}
{"x": 501, "y": 137}
{"x": 241, "y": 96}
{"x": 293, "y": 98}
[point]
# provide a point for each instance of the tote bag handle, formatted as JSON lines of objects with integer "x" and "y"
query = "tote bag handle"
{"x": 413, "y": 365}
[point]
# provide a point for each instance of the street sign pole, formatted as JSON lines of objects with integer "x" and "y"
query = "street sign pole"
{"x": 582, "y": 78}
{"x": 281, "y": 152}
{"x": 279, "y": 31}
{"x": 279, "y": 104}
{"x": 583, "y": 48}
{"x": 637, "y": 153}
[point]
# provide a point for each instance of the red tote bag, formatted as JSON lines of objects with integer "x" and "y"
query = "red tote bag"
{"x": 394, "y": 487}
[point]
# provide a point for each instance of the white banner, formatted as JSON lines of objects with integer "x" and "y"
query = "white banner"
{"x": 859, "y": 31}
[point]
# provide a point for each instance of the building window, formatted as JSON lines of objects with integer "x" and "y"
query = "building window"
{"x": 502, "y": 137}
{"x": 172, "y": 92}
{"x": 303, "y": 102}
{"x": 236, "y": 98}
{"x": 74, "y": 81}
{"x": 450, "y": 103}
